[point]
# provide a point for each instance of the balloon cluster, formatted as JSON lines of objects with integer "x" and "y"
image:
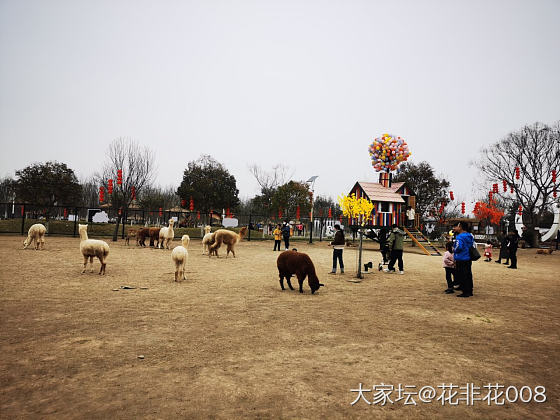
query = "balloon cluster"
{"x": 387, "y": 152}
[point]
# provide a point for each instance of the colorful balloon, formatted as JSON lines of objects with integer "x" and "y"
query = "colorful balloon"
{"x": 388, "y": 152}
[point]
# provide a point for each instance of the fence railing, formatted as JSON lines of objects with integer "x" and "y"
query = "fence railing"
{"x": 16, "y": 218}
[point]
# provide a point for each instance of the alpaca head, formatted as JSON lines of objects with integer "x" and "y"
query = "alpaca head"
{"x": 243, "y": 232}
{"x": 207, "y": 229}
{"x": 26, "y": 242}
{"x": 185, "y": 240}
{"x": 171, "y": 222}
{"x": 82, "y": 230}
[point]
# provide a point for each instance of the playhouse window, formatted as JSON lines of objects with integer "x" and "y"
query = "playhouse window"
{"x": 384, "y": 207}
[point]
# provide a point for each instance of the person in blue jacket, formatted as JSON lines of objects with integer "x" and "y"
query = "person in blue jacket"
{"x": 463, "y": 264}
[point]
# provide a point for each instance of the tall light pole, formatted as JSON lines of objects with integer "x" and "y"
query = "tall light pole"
{"x": 312, "y": 186}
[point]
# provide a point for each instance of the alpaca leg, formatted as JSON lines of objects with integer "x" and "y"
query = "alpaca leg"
{"x": 228, "y": 250}
{"x": 42, "y": 243}
{"x": 282, "y": 281}
{"x": 288, "y": 277}
{"x": 101, "y": 262}
{"x": 85, "y": 264}
{"x": 301, "y": 278}
{"x": 91, "y": 264}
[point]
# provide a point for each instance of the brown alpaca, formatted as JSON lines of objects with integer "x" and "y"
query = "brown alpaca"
{"x": 227, "y": 237}
{"x": 298, "y": 263}
{"x": 141, "y": 236}
{"x": 544, "y": 251}
{"x": 131, "y": 234}
{"x": 154, "y": 236}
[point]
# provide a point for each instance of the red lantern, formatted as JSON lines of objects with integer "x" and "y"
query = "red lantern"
{"x": 160, "y": 211}
{"x": 227, "y": 212}
{"x": 451, "y": 195}
{"x": 520, "y": 210}
{"x": 340, "y": 218}
{"x": 65, "y": 213}
{"x": 490, "y": 196}
{"x": 279, "y": 213}
{"x": 110, "y": 186}
{"x": 119, "y": 177}
{"x": 120, "y": 212}
{"x": 463, "y": 208}
{"x": 297, "y": 213}
{"x": 183, "y": 202}
{"x": 198, "y": 215}
{"x": 554, "y": 176}
{"x": 554, "y": 194}
{"x": 22, "y": 210}
{"x": 517, "y": 172}
{"x": 495, "y": 188}
{"x": 133, "y": 192}
{"x": 330, "y": 213}
{"x": 504, "y": 182}
{"x": 191, "y": 204}
{"x": 101, "y": 194}
{"x": 511, "y": 189}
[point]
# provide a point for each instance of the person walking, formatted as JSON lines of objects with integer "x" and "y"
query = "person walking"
{"x": 512, "y": 248}
{"x": 277, "y": 236}
{"x": 449, "y": 265}
{"x": 338, "y": 246}
{"x": 503, "y": 248}
{"x": 286, "y": 235}
{"x": 463, "y": 264}
{"x": 396, "y": 242}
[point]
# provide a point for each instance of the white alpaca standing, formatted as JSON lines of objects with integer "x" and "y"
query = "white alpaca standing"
{"x": 166, "y": 235}
{"x": 179, "y": 256}
{"x": 36, "y": 233}
{"x": 207, "y": 240}
{"x": 92, "y": 248}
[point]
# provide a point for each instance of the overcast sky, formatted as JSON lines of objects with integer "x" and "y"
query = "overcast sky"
{"x": 305, "y": 83}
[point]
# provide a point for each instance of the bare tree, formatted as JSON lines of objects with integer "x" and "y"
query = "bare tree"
{"x": 535, "y": 150}
{"x": 138, "y": 171}
{"x": 270, "y": 180}
{"x": 90, "y": 192}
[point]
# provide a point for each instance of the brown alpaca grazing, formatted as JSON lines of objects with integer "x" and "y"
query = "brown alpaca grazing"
{"x": 298, "y": 263}
{"x": 224, "y": 236}
{"x": 131, "y": 234}
{"x": 545, "y": 251}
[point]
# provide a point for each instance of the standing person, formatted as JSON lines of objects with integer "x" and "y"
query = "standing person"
{"x": 463, "y": 264}
{"x": 383, "y": 246}
{"x": 512, "y": 248}
{"x": 286, "y": 235}
{"x": 410, "y": 215}
{"x": 277, "y": 235}
{"x": 396, "y": 242}
{"x": 488, "y": 251}
{"x": 449, "y": 265}
{"x": 503, "y": 248}
{"x": 338, "y": 247}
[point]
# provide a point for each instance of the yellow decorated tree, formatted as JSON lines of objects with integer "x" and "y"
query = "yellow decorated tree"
{"x": 360, "y": 209}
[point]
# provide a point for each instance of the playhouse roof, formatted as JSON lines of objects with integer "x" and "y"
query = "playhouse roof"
{"x": 377, "y": 192}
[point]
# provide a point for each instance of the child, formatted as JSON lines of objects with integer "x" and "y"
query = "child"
{"x": 488, "y": 251}
{"x": 449, "y": 265}
{"x": 277, "y": 233}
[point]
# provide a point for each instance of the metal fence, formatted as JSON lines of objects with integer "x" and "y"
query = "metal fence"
{"x": 16, "y": 218}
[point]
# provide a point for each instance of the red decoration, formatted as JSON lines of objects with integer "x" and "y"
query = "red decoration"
{"x": 198, "y": 215}
{"x": 340, "y": 218}
{"x": 297, "y": 213}
{"x": 504, "y": 182}
{"x": 120, "y": 212}
{"x": 451, "y": 195}
{"x": 228, "y": 213}
{"x": 160, "y": 211}
{"x": 191, "y": 204}
{"x": 554, "y": 176}
{"x": 133, "y": 192}
{"x": 119, "y": 177}
{"x": 65, "y": 213}
{"x": 463, "y": 208}
{"x": 488, "y": 211}
{"x": 511, "y": 189}
{"x": 520, "y": 210}
{"x": 279, "y": 213}
{"x": 101, "y": 194}
{"x": 110, "y": 186}
{"x": 554, "y": 194}
{"x": 495, "y": 188}
{"x": 330, "y": 213}
{"x": 22, "y": 210}
{"x": 490, "y": 196}
{"x": 517, "y": 172}
{"x": 183, "y": 202}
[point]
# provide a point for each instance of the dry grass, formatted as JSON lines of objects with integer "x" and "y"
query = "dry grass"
{"x": 228, "y": 343}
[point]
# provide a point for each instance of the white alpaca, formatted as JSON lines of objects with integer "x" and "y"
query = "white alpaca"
{"x": 179, "y": 256}
{"x": 207, "y": 240}
{"x": 36, "y": 233}
{"x": 92, "y": 248}
{"x": 166, "y": 235}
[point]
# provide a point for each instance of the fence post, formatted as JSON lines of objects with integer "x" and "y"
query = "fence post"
{"x": 23, "y": 219}
{"x": 124, "y": 212}
{"x": 311, "y": 232}
{"x": 75, "y": 220}
{"x": 249, "y": 228}
{"x": 321, "y": 231}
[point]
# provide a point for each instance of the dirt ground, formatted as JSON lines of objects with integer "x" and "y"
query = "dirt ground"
{"x": 229, "y": 343}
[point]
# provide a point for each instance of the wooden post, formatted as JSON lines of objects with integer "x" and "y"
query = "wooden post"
{"x": 23, "y": 219}
{"x": 75, "y": 221}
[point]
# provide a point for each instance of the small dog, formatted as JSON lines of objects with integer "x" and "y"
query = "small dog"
{"x": 544, "y": 251}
